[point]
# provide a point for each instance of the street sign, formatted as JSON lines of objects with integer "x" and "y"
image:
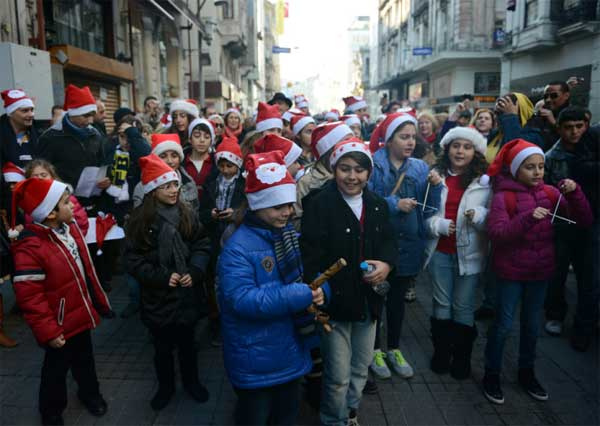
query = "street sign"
{"x": 279, "y": 49}
{"x": 422, "y": 51}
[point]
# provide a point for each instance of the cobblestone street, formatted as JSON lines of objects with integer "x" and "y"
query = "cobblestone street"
{"x": 124, "y": 363}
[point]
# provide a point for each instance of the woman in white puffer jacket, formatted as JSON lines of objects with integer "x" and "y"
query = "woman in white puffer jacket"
{"x": 457, "y": 249}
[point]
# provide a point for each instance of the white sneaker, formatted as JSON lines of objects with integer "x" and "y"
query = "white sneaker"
{"x": 379, "y": 367}
{"x": 554, "y": 327}
{"x": 353, "y": 418}
{"x": 399, "y": 364}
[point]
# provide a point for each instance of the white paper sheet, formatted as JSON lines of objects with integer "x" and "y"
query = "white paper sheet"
{"x": 86, "y": 187}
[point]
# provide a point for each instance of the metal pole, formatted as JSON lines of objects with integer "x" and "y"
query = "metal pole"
{"x": 200, "y": 74}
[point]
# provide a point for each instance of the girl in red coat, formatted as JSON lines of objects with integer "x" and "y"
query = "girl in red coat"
{"x": 58, "y": 291}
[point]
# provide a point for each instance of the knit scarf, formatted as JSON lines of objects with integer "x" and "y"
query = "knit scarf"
{"x": 172, "y": 250}
{"x": 80, "y": 133}
{"x": 287, "y": 248}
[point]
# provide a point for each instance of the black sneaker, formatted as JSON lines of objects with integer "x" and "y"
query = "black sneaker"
{"x": 580, "y": 342}
{"x": 370, "y": 388}
{"x": 530, "y": 384}
{"x": 492, "y": 389}
{"x": 161, "y": 398}
{"x": 197, "y": 391}
{"x": 96, "y": 405}
{"x": 484, "y": 313}
{"x": 52, "y": 420}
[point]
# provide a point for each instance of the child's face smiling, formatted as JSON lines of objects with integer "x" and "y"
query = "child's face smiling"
{"x": 350, "y": 176}
{"x": 171, "y": 158}
{"x": 531, "y": 171}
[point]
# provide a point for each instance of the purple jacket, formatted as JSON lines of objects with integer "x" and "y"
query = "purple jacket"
{"x": 523, "y": 247}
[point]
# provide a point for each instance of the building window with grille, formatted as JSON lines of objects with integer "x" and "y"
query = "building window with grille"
{"x": 487, "y": 83}
{"x": 531, "y": 12}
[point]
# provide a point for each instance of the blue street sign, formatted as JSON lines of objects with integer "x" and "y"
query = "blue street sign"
{"x": 279, "y": 49}
{"x": 422, "y": 51}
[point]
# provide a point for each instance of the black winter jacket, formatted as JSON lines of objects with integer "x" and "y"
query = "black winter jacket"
{"x": 11, "y": 151}
{"x": 163, "y": 305}
{"x": 330, "y": 230}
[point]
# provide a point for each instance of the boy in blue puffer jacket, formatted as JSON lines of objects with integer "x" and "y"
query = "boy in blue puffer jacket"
{"x": 260, "y": 295}
{"x": 402, "y": 181}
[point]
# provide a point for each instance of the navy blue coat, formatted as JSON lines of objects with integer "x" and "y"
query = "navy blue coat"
{"x": 261, "y": 347}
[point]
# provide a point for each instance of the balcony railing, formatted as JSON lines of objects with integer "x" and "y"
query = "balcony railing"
{"x": 584, "y": 11}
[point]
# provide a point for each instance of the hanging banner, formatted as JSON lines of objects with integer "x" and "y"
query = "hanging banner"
{"x": 279, "y": 17}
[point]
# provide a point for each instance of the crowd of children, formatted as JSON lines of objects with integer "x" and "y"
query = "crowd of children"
{"x": 235, "y": 223}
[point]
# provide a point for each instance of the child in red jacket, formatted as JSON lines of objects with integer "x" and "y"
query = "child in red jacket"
{"x": 58, "y": 291}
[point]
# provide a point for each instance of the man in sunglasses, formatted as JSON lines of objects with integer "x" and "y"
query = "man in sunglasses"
{"x": 556, "y": 98}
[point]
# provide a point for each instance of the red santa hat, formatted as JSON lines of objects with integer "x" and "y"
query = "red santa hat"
{"x": 326, "y": 135}
{"x": 268, "y": 183}
{"x": 301, "y": 101}
{"x": 12, "y": 173}
{"x": 287, "y": 116}
{"x": 349, "y": 145}
{"x": 79, "y": 101}
{"x": 512, "y": 156}
{"x": 299, "y": 122}
{"x": 268, "y": 117}
{"x": 350, "y": 119}
{"x": 207, "y": 123}
{"x": 37, "y": 198}
{"x": 163, "y": 142}
{"x": 187, "y": 105}
{"x": 273, "y": 142}
{"x": 104, "y": 223}
{"x": 332, "y": 115}
{"x": 468, "y": 133}
{"x": 166, "y": 120}
{"x": 354, "y": 103}
{"x": 15, "y": 99}
{"x": 155, "y": 172}
{"x": 385, "y": 130}
{"x": 229, "y": 149}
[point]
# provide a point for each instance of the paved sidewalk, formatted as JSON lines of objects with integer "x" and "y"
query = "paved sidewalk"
{"x": 124, "y": 362}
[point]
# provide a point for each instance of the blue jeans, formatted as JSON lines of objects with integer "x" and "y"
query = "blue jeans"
{"x": 531, "y": 294}
{"x": 453, "y": 294}
{"x": 347, "y": 352}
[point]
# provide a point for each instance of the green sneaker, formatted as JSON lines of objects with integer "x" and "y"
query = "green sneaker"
{"x": 399, "y": 364}
{"x": 379, "y": 367}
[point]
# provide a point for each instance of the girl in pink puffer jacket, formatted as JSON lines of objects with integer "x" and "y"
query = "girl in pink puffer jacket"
{"x": 522, "y": 237}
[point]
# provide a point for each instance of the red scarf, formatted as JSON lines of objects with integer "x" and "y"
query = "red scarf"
{"x": 234, "y": 133}
{"x": 198, "y": 176}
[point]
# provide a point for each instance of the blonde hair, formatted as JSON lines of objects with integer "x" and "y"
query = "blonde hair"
{"x": 480, "y": 111}
{"x": 429, "y": 116}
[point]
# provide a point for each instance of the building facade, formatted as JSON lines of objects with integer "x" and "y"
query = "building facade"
{"x": 549, "y": 40}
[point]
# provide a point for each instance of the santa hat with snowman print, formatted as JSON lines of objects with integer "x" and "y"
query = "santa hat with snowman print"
{"x": 15, "y": 99}
{"x": 511, "y": 156}
{"x": 268, "y": 183}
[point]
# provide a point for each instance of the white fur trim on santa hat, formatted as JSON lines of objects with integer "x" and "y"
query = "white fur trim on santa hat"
{"x": 332, "y": 115}
{"x": 302, "y": 104}
{"x": 198, "y": 121}
{"x": 272, "y": 196}
{"x": 168, "y": 146}
{"x": 21, "y": 103}
{"x": 292, "y": 155}
{"x": 351, "y": 121}
{"x": 82, "y": 110}
{"x": 229, "y": 156}
{"x": 477, "y": 139}
{"x": 269, "y": 123}
{"x": 234, "y": 111}
{"x": 329, "y": 140}
{"x": 55, "y": 192}
{"x": 301, "y": 124}
{"x": 357, "y": 105}
{"x": 183, "y": 105}
{"x": 522, "y": 156}
{"x": 167, "y": 177}
{"x": 345, "y": 148}
{"x": 13, "y": 177}
{"x": 397, "y": 122}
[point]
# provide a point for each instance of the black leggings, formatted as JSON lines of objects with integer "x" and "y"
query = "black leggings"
{"x": 394, "y": 307}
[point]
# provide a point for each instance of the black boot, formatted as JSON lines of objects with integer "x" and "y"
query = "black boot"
{"x": 440, "y": 335}
{"x": 188, "y": 366}
{"x": 463, "y": 337}
{"x": 165, "y": 372}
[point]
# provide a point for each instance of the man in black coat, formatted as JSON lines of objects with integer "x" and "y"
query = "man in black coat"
{"x": 18, "y": 134}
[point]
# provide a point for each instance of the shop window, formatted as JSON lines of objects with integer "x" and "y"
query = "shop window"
{"x": 78, "y": 23}
{"x": 487, "y": 82}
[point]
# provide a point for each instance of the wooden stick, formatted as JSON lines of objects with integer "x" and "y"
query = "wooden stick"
{"x": 426, "y": 195}
{"x": 556, "y": 208}
{"x": 330, "y": 272}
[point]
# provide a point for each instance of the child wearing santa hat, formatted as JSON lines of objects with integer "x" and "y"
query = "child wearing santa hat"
{"x": 268, "y": 119}
{"x": 457, "y": 249}
{"x": 521, "y": 232}
{"x": 291, "y": 151}
{"x": 167, "y": 252}
{"x": 353, "y": 121}
{"x": 57, "y": 289}
{"x": 403, "y": 182}
{"x": 182, "y": 112}
{"x": 347, "y": 220}
{"x": 168, "y": 148}
{"x": 261, "y": 291}
{"x": 199, "y": 162}
{"x": 302, "y": 127}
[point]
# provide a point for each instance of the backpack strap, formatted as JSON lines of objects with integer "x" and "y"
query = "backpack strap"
{"x": 510, "y": 201}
